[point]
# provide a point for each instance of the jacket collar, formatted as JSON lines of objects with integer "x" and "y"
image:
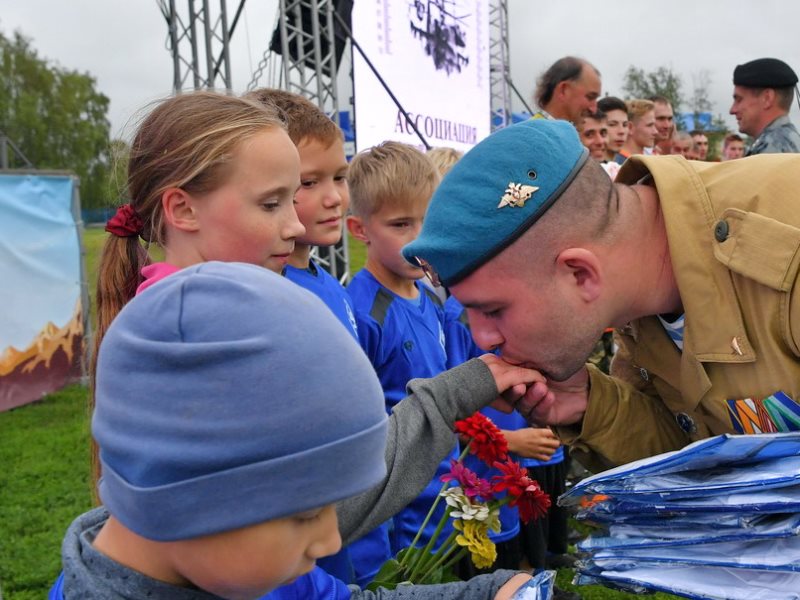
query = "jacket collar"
{"x": 705, "y": 286}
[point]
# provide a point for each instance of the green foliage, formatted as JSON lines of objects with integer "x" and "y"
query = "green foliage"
{"x": 55, "y": 116}
{"x": 117, "y": 191}
{"x": 661, "y": 82}
{"x": 44, "y": 485}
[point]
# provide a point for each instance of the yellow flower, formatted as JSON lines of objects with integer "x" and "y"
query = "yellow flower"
{"x": 475, "y": 537}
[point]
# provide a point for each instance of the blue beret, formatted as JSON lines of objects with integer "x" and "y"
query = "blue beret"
{"x": 764, "y": 72}
{"x": 494, "y": 194}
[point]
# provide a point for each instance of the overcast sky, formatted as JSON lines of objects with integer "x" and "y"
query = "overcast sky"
{"x": 122, "y": 43}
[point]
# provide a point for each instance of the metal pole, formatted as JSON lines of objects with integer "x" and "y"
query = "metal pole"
{"x": 225, "y": 47}
{"x": 3, "y": 151}
{"x": 193, "y": 42}
{"x": 173, "y": 38}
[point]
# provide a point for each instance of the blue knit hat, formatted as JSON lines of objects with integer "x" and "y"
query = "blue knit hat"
{"x": 228, "y": 396}
{"x": 494, "y": 194}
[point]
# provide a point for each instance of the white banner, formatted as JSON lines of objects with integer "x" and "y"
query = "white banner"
{"x": 434, "y": 56}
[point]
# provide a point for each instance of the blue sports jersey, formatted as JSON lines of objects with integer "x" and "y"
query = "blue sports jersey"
{"x": 318, "y": 281}
{"x": 404, "y": 339}
{"x": 353, "y": 563}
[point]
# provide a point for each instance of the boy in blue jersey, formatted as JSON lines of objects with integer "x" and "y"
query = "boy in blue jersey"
{"x": 400, "y": 321}
{"x": 322, "y": 199}
{"x": 321, "y": 203}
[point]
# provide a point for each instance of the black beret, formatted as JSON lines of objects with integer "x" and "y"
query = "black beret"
{"x": 764, "y": 72}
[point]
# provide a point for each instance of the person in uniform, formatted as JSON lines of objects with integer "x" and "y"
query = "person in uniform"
{"x": 763, "y": 91}
{"x": 696, "y": 265}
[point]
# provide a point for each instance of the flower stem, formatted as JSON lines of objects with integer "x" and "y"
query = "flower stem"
{"x": 455, "y": 559}
{"x": 422, "y": 527}
{"x": 424, "y": 557}
{"x": 451, "y": 547}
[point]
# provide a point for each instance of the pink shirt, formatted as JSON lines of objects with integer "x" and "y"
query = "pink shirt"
{"x": 154, "y": 273}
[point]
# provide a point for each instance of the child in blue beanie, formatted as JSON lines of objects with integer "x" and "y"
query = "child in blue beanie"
{"x": 210, "y": 433}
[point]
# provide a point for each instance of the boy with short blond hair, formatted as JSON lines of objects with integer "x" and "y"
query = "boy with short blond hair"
{"x": 400, "y": 321}
{"x": 443, "y": 158}
{"x": 642, "y": 129}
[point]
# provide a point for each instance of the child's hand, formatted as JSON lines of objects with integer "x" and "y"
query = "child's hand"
{"x": 511, "y": 586}
{"x": 532, "y": 442}
{"x": 512, "y": 381}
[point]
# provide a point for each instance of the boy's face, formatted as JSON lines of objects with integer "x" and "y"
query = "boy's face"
{"x": 323, "y": 197}
{"x": 734, "y": 149}
{"x": 617, "y": 126}
{"x": 385, "y": 233}
{"x": 246, "y": 563}
{"x": 643, "y": 129}
{"x": 593, "y": 135}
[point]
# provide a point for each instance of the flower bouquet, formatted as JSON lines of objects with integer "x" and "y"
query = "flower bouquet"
{"x": 473, "y": 503}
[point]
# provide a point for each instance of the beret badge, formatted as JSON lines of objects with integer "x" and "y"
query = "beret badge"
{"x": 516, "y": 194}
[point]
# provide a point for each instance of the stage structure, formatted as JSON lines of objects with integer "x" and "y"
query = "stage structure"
{"x": 306, "y": 47}
{"x": 499, "y": 64}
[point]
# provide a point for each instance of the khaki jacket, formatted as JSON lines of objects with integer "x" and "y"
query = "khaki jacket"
{"x": 734, "y": 236}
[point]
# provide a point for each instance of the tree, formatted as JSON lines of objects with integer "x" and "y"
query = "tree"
{"x": 701, "y": 82}
{"x": 661, "y": 82}
{"x": 55, "y": 116}
{"x": 118, "y": 154}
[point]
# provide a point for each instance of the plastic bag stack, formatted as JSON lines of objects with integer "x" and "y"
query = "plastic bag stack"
{"x": 719, "y": 519}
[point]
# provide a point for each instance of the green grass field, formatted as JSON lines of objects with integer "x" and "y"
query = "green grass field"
{"x": 44, "y": 482}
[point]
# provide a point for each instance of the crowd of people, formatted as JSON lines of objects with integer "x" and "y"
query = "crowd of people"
{"x": 614, "y": 129}
{"x": 248, "y": 422}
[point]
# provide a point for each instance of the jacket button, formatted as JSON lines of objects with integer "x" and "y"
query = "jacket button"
{"x": 721, "y": 231}
{"x": 686, "y": 423}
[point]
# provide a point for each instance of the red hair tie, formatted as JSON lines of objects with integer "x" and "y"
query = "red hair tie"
{"x": 125, "y": 223}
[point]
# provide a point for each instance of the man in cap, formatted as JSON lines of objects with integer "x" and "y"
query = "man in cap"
{"x": 763, "y": 90}
{"x": 695, "y": 264}
{"x": 568, "y": 90}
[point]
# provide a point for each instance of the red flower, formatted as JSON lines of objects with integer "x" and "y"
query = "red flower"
{"x": 525, "y": 492}
{"x": 468, "y": 481}
{"x": 486, "y": 440}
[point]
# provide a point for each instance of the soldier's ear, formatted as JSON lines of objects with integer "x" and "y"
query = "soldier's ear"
{"x": 768, "y": 98}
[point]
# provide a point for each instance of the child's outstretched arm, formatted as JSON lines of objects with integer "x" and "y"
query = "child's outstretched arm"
{"x": 420, "y": 435}
{"x": 499, "y": 585}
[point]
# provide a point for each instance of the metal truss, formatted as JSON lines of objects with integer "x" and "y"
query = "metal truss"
{"x": 300, "y": 58}
{"x": 199, "y": 43}
{"x": 499, "y": 67}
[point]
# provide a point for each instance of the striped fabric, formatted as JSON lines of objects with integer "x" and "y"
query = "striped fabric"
{"x": 674, "y": 330}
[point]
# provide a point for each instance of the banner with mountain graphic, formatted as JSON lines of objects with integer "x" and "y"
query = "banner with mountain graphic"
{"x": 42, "y": 316}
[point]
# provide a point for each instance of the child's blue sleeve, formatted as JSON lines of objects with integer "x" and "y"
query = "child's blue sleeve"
{"x": 57, "y": 591}
{"x": 314, "y": 585}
